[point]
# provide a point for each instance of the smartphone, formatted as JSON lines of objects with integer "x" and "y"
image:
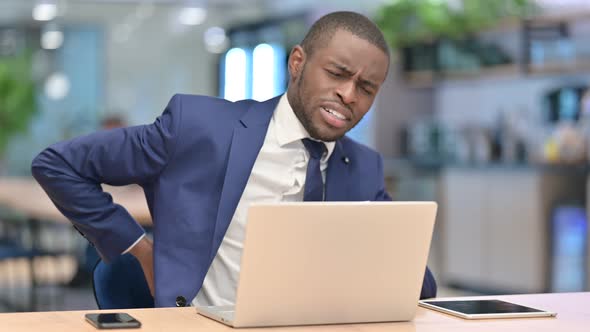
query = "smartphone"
{"x": 116, "y": 320}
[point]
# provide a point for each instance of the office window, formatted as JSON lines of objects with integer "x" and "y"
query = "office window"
{"x": 267, "y": 71}
{"x": 235, "y": 75}
{"x": 265, "y": 45}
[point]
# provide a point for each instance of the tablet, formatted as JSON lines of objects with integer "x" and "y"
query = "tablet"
{"x": 484, "y": 309}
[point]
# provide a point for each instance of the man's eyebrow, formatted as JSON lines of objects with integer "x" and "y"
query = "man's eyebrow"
{"x": 348, "y": 72}
{"x": 368, "y": 83}
{"x": 341, "y": 67}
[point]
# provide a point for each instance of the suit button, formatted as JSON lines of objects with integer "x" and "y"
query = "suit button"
{"x": 180, "y": 301}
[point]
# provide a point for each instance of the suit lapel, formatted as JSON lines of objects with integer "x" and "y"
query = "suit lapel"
{"x": 337, "y": 174}
{"x": 247, "y": 140}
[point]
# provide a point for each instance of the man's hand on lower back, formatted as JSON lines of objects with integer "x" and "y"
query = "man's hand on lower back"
{"x": 144, "y": 252}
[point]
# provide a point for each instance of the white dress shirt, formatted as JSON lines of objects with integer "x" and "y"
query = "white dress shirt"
{"x": 278, "y": 175}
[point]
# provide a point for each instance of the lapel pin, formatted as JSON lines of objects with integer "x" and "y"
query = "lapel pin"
{"x": 346, "y": 160}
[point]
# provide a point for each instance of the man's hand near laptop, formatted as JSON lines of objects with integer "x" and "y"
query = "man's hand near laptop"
{"x": 144, "y": 252}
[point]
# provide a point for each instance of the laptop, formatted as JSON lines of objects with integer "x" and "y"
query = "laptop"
{"x": 310, "y": 263}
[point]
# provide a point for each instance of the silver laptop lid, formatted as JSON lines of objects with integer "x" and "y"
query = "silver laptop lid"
{"x": 333, "y": 262}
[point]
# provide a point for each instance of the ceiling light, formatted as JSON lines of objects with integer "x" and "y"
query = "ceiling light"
{"x": 57, "y": 86}
{"x": 44, "y": 11}
{"x": 192, "y": 15}
{"x": 51, "y": 40}
{"x": 215, "y": 40}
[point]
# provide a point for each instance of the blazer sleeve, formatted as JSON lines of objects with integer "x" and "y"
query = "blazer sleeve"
{"x": 72, "y": 171}
{"x": 429, "y": 284}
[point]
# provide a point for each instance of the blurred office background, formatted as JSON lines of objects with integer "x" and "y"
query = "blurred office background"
{"x": 486, "y": 110}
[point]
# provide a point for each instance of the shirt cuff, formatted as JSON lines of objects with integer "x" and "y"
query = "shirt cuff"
{"x": 133, "y": 245}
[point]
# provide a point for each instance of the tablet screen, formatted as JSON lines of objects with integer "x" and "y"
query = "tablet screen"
{"x": 477, "y": 307}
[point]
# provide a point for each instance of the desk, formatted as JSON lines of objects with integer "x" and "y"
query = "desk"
{"x": 26, "y": 197}
{"x": 573, "y": 315}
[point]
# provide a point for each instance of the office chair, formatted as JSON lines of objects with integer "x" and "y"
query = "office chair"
{"x": 121, "y": 284}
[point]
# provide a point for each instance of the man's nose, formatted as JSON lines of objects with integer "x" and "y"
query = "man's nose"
{"x": 347, "y": 92}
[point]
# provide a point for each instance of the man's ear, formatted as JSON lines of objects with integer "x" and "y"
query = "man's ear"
{"x": 296, "y": 61}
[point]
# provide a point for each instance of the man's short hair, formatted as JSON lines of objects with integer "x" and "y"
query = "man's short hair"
{"x": 359, "y": 25}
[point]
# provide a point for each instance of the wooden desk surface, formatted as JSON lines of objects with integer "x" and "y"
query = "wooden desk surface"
{"x": 25, "y": 196}
{"x": 573, "y": 315}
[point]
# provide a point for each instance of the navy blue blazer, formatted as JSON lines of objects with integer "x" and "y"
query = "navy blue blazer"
{"x": 193, "y": 163}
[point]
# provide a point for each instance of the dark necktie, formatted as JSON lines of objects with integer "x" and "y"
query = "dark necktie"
{"x": 314, "y": 185}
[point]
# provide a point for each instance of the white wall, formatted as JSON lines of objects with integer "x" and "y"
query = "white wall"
{"x": 159, "y": 58}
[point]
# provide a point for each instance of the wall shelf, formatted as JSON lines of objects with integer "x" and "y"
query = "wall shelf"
{"x": 540, "y": 29}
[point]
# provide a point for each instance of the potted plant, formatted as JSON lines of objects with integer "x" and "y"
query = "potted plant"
{"x": 17, "y": 98}
{"x": 406, "y": 22}
{"x": 416, "y": 27}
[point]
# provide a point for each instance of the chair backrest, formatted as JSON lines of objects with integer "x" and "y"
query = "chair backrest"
{"x": 121, "y": 284}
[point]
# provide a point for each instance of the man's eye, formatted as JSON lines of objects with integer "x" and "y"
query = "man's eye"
{"x": 367, "y": 91}
{"x": 333, "y": 73}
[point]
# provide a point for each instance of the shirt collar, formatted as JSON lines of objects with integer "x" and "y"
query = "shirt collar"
{"x": 289, "y": 129}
